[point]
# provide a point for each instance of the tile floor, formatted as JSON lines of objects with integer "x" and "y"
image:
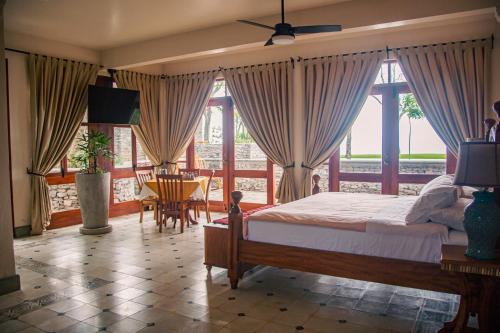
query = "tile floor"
{"x": 138, "y": 280}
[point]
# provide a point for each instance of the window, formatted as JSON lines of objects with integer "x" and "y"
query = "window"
{"x": 209, "y": 139}
{"x": 391, "y": 147}
{"x": 142, "y": 159}
{"x": 421, "y": 151}
{"x": 361, "y": 150}
{"x": 122, "y": 147}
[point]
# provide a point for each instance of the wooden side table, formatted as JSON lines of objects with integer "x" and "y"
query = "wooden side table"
{"x": 481, "y": 281}
{"x": 216, "y": 245}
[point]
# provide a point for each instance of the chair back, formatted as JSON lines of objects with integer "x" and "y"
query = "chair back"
{"x": 170, "y": 191}
{"x": 209, "y": 183}
{"x": 195, "y": 172}
{"x": 143, "y": 176}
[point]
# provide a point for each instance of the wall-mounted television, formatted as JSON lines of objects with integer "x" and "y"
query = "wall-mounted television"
{"x": 113, "y": 106}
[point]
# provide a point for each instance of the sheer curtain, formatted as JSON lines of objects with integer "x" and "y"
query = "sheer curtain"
{"x": 450, "y": 85}
{"x": 335, "y": 90}
{"x": 263, "y": 95}
{"x": 148, "y": 131}
{"x": 58, "y": 100}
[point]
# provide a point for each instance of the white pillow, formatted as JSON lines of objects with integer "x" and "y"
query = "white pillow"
{"x": 453, "y": 216}
{"x": 438, "y": 193}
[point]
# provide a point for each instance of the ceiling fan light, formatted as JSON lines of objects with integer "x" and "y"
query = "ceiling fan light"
{"x": 283, "y": 39}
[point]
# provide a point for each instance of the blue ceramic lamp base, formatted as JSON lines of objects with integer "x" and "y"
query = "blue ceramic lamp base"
{"x": 482, "y": 225}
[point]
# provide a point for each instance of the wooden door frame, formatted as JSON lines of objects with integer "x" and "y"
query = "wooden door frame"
{"x": 229, "y": 172}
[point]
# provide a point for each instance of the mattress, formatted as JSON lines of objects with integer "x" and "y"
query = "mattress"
{"x": 421, "y": 242}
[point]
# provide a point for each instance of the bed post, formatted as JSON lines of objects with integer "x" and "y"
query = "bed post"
{"x": 235, "y": 234}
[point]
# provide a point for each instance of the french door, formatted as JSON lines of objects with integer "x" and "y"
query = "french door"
{"x": 222, "y": 143}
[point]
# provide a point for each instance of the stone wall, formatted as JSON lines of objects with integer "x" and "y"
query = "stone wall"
{"x": 64, "y": 197}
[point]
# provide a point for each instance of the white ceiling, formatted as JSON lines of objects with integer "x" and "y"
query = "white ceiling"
{"x": 102, "y": 24}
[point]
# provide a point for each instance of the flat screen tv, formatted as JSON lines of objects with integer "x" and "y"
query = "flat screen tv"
{"x": 113, "y": 106}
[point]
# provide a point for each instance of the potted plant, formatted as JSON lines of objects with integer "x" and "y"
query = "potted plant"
{"x": 93, "y": 182}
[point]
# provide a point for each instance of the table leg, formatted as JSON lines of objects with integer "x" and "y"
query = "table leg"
{"x": 459, "y": 323}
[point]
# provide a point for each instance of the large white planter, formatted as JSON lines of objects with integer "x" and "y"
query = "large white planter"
{"x": 93, "y": 196}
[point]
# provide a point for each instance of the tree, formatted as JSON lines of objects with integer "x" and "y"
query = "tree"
{"x": 218, "y": 85}
{"x": 408, "y": 107}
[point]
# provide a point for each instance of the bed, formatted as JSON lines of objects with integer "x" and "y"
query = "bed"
{"x": 371, "y": 242}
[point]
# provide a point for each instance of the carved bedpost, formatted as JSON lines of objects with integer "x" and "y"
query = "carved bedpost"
{"x": 496, "y": 134}
{"x": 316, "y": 178}
{"x": 495, "y": 137}
{"x": 235, "y": 234}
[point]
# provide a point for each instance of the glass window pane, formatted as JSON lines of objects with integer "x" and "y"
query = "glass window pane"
{"x": 396, "y": 73}
{"x": 208, "y": 139}
{"x": 124, "y": 189}
{"x": 390, "y": 72}
{"x": 323, "y": 172}
{"x": 73, "y": 165}
{"x": 122, "y": 147}
{"x": 142, "y": 158}
{"x": 410, "y": 189}
{"x": 382, "y": 75}
{"x": 217, "y": 189}
{"x": 421, "y": 150}
{"x": 219, "y": 89}
{"x": 360, "y": 187}
{"x": 248, "y": 156}
{"x": 254, "y": 189}
{"x": 361, "y": 150}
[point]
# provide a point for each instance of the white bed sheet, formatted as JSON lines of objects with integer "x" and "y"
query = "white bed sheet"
{"x": 423, "y": 245}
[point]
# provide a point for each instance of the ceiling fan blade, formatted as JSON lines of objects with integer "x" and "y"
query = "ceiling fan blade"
{"x": 269, "y": 42}
{"x": 312, "y": 29}
{"x": 256, "y": 24}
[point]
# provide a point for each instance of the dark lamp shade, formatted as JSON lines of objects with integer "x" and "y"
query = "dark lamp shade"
{"x": 478, "y": 164}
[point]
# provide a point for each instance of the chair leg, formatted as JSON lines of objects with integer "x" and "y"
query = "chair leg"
{"x": 155, "y": 212}
{"x": 162, "y": 216}
{"x": 141, "y": 212}
{"x": 207, "y": 211}
{"x": 182, "y": 216}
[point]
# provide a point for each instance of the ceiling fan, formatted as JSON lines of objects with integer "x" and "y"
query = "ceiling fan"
{"x": 284, "y": 33}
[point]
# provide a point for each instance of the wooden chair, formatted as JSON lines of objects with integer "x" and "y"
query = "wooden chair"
{"x": 171, "y": 200}
{"x": 197, "y": 204}
{"x": 196, "y": 173}
{"x": 142, "y": 177}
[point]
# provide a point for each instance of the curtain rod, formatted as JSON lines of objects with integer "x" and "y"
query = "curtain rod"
{"x": 388, "y": 49}
{"x": 43, "y": 55}
{"x": 292, "y": 60}
{"x": 492, "y": 39}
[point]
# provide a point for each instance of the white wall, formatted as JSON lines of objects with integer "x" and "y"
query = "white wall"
{"x": 20, "y": 136}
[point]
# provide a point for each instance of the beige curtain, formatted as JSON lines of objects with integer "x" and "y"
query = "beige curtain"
{"x": 186, "y": 97}
{"x": 58, "y": 94}
{"x": 148, "y": 131}
{"x": 450, "y": 85}
{"x": 263, "y": 95}
{"x": 335, "y": 90}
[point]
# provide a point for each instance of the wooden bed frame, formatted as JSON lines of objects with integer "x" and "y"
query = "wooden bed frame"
{"x": 244, "y": 254}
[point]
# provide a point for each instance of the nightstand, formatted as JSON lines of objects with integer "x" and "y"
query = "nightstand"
{"x": 481, "y": 281}
{"x": 216, "y": 243}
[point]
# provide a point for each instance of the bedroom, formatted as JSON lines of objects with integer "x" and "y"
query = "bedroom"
{"x": 348, "y": 106}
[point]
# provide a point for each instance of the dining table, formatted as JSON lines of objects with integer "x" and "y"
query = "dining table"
{"x": 193, "y": 189}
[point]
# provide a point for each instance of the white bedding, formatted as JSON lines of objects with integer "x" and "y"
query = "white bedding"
{"x": 386, "y": 234}
{"x": 423, "y": 246}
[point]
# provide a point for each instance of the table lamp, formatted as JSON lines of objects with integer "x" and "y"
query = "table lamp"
{"x": 479, "y": 166}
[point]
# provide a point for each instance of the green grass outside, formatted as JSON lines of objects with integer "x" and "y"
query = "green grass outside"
{"x": 403, "y": 156}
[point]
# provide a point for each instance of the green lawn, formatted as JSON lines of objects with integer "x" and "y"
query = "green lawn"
{"x": 403, "y": 156}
